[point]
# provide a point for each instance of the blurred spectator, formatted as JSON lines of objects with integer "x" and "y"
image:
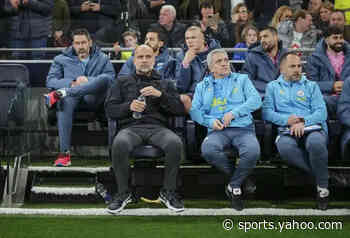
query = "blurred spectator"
{"x": 239, "y": 19}
{"x": 296, "y": 4}
{"x": 337, "y": 18}
{"x": 250, "y": 35}
{"x": 7, "y": 8}
{"x": 283, "y": 13}
{"x": 129, "y": 41}
{"x": 94, "y": 15}
{"x": 325, "y": 13}
{"x": 31, "y": 27}
{"x": 189, "y": 10}
{"x": 264, "y": 10}
{"x": 299, "y": 33}
{"x": 329, "y": 66}
{"x": 211, "y": 24}
{"x": 314, "y": 8}
{"x": 174, "y": 31}
{"x": 61, "y": 24}
{"x": 154, "y": 6}
{"x": 261, "y": 63}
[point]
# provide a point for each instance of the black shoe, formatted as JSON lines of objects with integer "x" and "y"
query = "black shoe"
{"x": 119, "y": 201}
{"x": 171, "y": 200}
{"x": 322, "y": 202}
{"x": 236, "y": 200}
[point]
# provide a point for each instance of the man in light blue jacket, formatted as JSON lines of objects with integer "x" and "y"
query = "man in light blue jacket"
{"x": 223, "y": 102}
{"x": 296, "y": 106}
{"x": 79, "y": 77}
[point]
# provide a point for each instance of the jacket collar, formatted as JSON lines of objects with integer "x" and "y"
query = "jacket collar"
{"x": 281, "y": 80}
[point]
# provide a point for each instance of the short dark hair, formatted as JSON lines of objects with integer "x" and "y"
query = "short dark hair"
{"x": 206, "y": 4}
{"x": 300, "y": 13}
{"x": 333, "y": 30}
{"x": 161, "y": 34}
{"x": 285, "y": 55}
{"x": 270, "y": 29}
{"x": 130, "y": 33}
{"x": 81, "y": 31}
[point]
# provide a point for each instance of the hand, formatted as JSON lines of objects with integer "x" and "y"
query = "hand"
{"x": 85, "y": 6}
{"x": 80, "y": 80}
{"x": 14, "y": 3}
{"x": 58, "y": 34}
{"x": 218, "y": 126}
{"x": 292, "y": 120}
{"x": 214, "y": 27}
{"x": 297, "y": 129}
{"x": 189, "y": 56}
{"x": 116, "y": 48}
{"x": 235, "y": 18}
{"x": 157, "y": 3}
{"x": 338, "y": 87}
{"x": 228, "y": 117}
{"x": 150, "y": 91}
{"x": 95, "y": 7}
{"x": 137, "y": 106}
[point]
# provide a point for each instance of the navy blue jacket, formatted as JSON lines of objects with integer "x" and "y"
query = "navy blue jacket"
{"x": 32, "y": 20}
{"x": 260, "y": 68}
{"x": 66, "y": 67}
{"x": 187, "y": 78}
{"x": 165, "y": 65}
{"x": 320, "y": 69}
{"x": 343, "y": 106}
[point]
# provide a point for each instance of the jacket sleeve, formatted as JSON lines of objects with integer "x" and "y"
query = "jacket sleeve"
{"x": 55, "y": 78}
{"x": 318, "y": 107}
{"x": 183, "y": 78}
{"x": 313, "y": 73}
{"x": 115, "y": 106}
{"x": 252, "y": 103}
{"x": 250, "y": 68}
{"x": 197, "y": 111}
{"x": 128, "y": 68}
{"x": 269, "y": 110}
{"x": 107, "y": 71}
{"x": 43, "y": 7}
{"x": 74, "y": 7}
{"x": 170, "y": 100}
{"x": 343, "y": 108}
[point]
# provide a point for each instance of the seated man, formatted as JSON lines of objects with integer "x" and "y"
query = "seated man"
{"x": 164, "y": 64}
{"x": 161, "y": 101}
{"x": 329, "y": 66}
{"x": 223, "y": 102}
{"x": 80, "y": 77}
{"x": 129, "y": 41}
{"x": 193, "y": 62}
{"x": 295, "y": 104}
{"x": 261, "y": 63}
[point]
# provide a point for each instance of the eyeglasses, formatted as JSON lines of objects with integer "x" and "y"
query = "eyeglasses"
{"x": 243, "y": 11}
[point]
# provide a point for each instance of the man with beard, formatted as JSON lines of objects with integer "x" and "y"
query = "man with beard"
{"x": 164, "y": 64}
{"x": 296, "y": 106}
{"x": 223, "y": 103}
{"x": 329, "y": 66}
{"x": 261, "y": 63}
{"x": 161, "y": 101}
{"x": 78, "y": 78}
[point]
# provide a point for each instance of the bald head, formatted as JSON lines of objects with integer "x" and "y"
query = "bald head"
{"x": 144, "y": 59}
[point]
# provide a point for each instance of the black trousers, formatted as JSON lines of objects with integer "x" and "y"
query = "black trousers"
{"x": 128, "y": 139}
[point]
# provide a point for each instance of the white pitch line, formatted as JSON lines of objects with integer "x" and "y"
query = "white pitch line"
{"x": 64, "y": 190}
{"x": 166, "y": 212}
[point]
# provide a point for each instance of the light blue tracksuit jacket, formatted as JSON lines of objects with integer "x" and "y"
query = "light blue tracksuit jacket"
{"x": 302, "y": 98}
{"x": 239, "y": 97}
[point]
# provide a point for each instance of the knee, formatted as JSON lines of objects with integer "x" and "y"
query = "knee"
{"x": 252, "y": 151}
{"x": 317, "y": 146}
{"x": 210, "y": 149}
{"x": 121, "y": 145}
{"x": 284, "y": 147}
{"x": 174, "y": 144}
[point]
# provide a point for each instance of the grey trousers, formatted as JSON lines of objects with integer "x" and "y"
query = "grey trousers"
{"x": 128, "y": 139}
